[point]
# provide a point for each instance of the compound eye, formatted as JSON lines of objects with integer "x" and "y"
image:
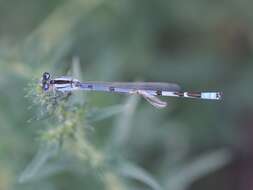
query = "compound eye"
{"x": 45, "y": 87}
{"x": 46, "y": 76}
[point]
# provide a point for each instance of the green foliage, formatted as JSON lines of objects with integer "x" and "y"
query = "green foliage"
{"x": 108, "y": 141}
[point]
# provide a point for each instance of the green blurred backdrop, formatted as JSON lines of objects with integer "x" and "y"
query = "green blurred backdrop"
{"x": 123, "y": 142}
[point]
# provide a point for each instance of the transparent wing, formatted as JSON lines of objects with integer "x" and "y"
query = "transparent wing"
{"x": 151, "y": 86}
{"x": 139, "y": 85}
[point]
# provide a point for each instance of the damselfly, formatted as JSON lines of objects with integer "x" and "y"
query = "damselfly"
{"x": 148, "y": 90}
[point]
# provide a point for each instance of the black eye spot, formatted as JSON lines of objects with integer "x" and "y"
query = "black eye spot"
{"x": 46, "y": 76}
{"x": 45, "y": 87}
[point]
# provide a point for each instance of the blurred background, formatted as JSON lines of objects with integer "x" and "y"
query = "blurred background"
{"x": 123, "y": 142}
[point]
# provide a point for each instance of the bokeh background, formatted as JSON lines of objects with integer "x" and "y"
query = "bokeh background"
{"x": 128, "y": 144}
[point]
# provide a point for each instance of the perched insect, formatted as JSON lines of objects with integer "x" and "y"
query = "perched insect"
{"x": 148, "y": 90}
